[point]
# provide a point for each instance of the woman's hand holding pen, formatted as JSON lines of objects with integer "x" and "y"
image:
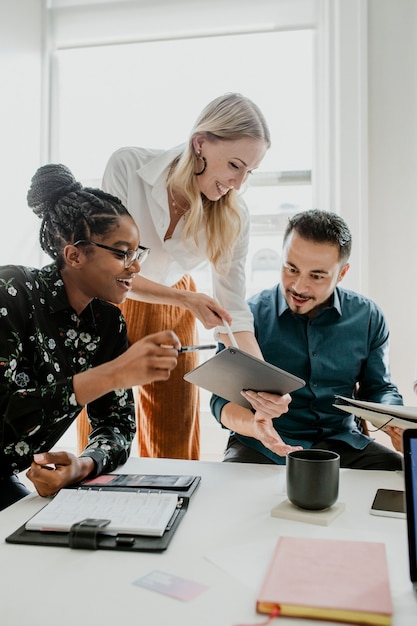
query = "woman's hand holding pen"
{"x": 51, "y": 471}
{"x": 151, "y": 358}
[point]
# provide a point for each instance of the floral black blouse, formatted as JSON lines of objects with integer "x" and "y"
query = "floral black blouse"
{"x": 43, "y": 343}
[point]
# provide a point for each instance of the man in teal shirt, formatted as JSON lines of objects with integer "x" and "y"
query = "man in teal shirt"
{"x": 333, "y": 338}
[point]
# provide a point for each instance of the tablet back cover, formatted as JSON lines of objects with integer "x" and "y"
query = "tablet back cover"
{"x": 232, "y": 370}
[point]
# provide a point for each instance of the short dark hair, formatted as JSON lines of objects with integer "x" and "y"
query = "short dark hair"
{"x": 322, "y": 227}
{"x": 68, "y": 210}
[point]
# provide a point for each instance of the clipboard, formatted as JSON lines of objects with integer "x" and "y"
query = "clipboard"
{"x": 88, "y": 533}
{"x": 232, "y": 370}
{"x": 380, "y": 415}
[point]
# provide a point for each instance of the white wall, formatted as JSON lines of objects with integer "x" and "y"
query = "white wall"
{"x": 392, "y": 146}
{"x": 20, "y": 124}
{"x": 392, "y": 123}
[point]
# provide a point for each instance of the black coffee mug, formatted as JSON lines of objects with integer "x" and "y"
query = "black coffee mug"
{"x": 313, "y": 478}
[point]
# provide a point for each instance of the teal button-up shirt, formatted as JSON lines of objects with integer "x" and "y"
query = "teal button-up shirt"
{"x": 344, "y": 347}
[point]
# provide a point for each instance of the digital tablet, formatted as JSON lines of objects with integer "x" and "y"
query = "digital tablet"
{"x": 233, "y": 370}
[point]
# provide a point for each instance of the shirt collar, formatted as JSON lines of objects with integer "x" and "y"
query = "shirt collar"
{"x": 55, "y": 294}
{"x": 337, "y": 305}
{"x": 155, "y": 173}
{"x": 282, "y": 303}
{"x": 334, "y": 304}
{"x": 156, "y": 167}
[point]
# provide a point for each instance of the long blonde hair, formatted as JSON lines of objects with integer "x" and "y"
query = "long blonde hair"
{"x": 228, "y": 117}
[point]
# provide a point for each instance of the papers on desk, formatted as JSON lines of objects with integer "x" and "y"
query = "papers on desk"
{"x": 136, "y": 513}
{"x": 380, "y": 415}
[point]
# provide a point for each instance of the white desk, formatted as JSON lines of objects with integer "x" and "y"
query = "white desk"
{"x": 224, "y": 541}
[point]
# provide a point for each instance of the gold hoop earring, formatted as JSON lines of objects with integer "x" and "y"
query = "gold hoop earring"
{"x": 203, "y": 169}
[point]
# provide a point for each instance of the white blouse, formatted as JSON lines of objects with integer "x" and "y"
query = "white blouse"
{"x": 138, "y": 177}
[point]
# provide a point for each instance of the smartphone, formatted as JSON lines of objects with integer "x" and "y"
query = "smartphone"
{"x": 389, "y": 503}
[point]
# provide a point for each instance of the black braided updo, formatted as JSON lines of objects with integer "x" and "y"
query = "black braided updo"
{"x": 68, "y": 210}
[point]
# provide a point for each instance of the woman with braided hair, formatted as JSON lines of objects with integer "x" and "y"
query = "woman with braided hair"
{"x": 186, "y": 204}
{"x": 63, "y": 346}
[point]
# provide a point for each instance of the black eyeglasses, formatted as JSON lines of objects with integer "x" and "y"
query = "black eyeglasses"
{"x": 128, "y": 256}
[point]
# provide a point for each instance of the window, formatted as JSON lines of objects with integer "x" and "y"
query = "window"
{"x": 149, "y": 94}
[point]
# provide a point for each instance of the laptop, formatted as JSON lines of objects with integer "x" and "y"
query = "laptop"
{"x": 232, "y": 370}
{"x": 410, "y": 479}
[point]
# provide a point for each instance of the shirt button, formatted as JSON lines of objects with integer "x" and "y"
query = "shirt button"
{"x": 314, "y": 353}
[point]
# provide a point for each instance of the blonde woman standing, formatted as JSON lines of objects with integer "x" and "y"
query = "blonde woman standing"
{"x": 186, "y": 204}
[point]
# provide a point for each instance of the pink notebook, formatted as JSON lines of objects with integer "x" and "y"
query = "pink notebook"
{"x": 328, "y": 579}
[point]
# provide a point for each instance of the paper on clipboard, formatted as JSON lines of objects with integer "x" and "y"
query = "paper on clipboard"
{"x": 380, "y": 415}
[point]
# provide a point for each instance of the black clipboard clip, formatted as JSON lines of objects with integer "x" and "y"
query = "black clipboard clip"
{"x": 83, "y": 535}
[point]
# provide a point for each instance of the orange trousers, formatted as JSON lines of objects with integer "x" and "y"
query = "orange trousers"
{"x": 167, "y": 412}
